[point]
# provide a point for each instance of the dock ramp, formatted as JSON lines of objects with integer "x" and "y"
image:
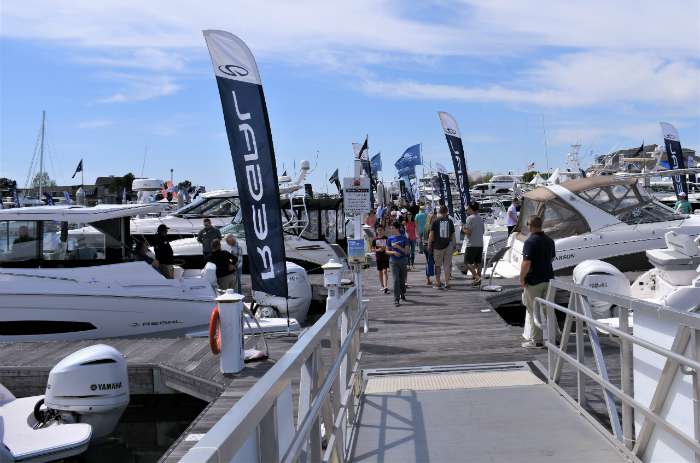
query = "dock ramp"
{"x": 480, "y": 413}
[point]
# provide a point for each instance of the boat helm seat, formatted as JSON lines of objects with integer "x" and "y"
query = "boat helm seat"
{"x": 678, "y": 263}
{"x": 178, "y": 272}
{"x": 209, "y": 274}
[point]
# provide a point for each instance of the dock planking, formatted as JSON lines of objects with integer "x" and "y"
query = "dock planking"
{"x": 433, "y": 327}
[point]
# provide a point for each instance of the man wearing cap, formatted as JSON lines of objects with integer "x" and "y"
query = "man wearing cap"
{"x": 164, "y": 253}
{"x": 683, "y": 205}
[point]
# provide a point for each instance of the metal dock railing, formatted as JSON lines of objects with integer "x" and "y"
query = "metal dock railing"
{"x": 260, "y": 426}
{"x": 315, "y": 404}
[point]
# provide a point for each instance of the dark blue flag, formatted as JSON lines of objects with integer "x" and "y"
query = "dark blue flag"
{"x": 250, "y": 141}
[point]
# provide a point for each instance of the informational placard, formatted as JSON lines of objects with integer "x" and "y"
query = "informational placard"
{"x": 356, "y": 198}
{"x": 356, "y": 251}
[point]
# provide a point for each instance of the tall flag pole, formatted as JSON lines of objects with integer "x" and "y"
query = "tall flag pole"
{"x": 454, "y": 141}
{"x": 253, "y": 155}
{"x": 674, "y": 152}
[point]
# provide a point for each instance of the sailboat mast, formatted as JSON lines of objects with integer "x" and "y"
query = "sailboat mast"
{"x": 41, "y": 154}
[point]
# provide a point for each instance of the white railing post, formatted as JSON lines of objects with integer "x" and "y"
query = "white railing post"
{"x": 626, "y": 361}
{"x": 232, "y": 357}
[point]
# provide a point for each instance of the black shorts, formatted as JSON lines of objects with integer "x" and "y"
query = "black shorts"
{"x": 382, "y": 262}
{"x": 473, "y": 255}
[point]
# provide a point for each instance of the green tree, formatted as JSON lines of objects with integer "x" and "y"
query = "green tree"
{"x": 7, "y": 184}
{"x": 43, "y": 179}
{"x": 118, "y": 184}
{"x": 529, "y": 175}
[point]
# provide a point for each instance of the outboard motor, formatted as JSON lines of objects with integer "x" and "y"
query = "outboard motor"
{"x": 596, "y": 274}
{"x": 89, "y": 386}
{"x": 298, "y": 301}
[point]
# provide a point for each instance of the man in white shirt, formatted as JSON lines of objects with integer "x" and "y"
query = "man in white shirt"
{"x": 512, "y": 215}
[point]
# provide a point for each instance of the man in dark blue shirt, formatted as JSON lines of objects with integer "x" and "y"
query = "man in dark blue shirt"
{"x": 397, "y": 248}
{"x": 535, "y": 272}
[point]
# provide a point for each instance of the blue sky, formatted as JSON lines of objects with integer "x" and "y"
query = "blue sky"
{"x": 116, "y": 77}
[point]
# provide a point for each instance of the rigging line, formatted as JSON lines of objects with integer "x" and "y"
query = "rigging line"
{"x": 31, "y": 164}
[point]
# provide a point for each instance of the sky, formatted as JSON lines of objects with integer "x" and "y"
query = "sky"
{"x": 128, "y": 85}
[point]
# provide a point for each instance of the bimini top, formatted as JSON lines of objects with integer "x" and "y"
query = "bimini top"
{"x": 78, "y": 214}
{"x": 580, "y": 184}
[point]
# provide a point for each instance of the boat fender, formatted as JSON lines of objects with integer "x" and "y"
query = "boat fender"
{"x": 215, "y": 331}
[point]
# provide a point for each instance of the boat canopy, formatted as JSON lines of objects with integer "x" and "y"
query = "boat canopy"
{"x": 78, "y": 214}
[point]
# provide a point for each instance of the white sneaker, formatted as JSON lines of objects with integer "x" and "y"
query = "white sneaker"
{"x": 531, "y": 344}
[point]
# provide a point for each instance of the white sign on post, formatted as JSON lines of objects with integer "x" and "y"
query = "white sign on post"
{"x": 356, "y": 195}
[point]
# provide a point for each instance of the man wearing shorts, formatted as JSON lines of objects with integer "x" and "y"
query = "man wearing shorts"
{"x": 473, "y": 229}
{"x": 379, "y": 248}
{"x": 442, "y": 233}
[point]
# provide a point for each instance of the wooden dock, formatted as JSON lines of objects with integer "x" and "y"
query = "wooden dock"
{"x": 434, "y": 327}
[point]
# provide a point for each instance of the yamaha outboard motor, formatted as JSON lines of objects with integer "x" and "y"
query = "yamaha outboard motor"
{"x": 298, "y": 302}
{"x": 596, "y": 274}
{"x": 89, "y": 386}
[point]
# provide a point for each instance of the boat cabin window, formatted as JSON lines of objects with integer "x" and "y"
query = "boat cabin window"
{"x": 559, "y": 220}
{"x": 211, "y": 207}
{"x": 54, "y": 244}
{"x": 18, "y": 241}
{"x": 629, "y": 204}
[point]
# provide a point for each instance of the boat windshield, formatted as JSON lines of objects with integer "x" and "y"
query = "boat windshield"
{"x": 559, "y": 220}
{"x": 629, "y": 204}
{"x": 59, "y": 244}
{"x": 211, "y": 207}
{"x": 236, "y": 229}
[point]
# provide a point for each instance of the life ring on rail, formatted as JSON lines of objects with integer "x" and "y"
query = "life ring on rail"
{"x": 215, "y": 331}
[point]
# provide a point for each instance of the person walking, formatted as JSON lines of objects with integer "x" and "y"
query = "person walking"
{"x": 397, "y": 248}
{"x": 225, "y": 266}
{"x": 535, "y": 272}
{"x": 382, "y": 258}
{"x": 682, "y": 206}
{"x": 232, "y": 246}
{"x": 473, "y": 230}
{"x": 512, "y": 215}
{"x": 371, "y": 220}
{"x": 440, "y": 242}
{"x": 429, "y": 260}
{"x": 207, "y": 235}
{"x": 411, "y": 235}
{"x": 164, "y": 252}
{"x": 420, "y": 218}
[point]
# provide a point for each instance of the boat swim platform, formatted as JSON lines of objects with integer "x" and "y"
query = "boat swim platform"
{"x": 472, "y": 413}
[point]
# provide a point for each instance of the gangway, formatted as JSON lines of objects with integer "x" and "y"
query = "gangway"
{"x": 316, "y": 403}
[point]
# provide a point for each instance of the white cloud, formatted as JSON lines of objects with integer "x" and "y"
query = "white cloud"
{"x": 140, "y": 88}
{"x": 589, "y": 53}
{"x": 574, "y": 80}
{"x": 95, "y": 124}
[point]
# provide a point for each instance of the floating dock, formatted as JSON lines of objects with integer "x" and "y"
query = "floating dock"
{"x": 455, "y": 327}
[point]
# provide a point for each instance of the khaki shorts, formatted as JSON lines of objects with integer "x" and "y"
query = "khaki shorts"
{"x": 227, "y": 281}
{"x": 443, "y": 257}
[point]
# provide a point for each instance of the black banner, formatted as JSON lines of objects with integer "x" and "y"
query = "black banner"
{"x": 446, "y": 192}
{"x": 674, "y": 152}
{"x": 454, "y": 141}
{"x": 250, "y": 141}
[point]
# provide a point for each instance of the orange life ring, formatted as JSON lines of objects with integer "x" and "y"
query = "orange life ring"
{"x": 215, "y": 331}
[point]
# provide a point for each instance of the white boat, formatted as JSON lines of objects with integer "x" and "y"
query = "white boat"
{"x": 607, "y": 218}
{"x": 59, "y": 286}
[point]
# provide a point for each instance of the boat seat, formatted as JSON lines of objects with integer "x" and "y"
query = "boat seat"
{"x": 25, "y": 443}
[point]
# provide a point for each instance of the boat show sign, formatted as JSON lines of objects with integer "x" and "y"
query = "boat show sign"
{"x": 356, "y": 200}
{"x": 250, "y": 141}
{"x": 674, "y": 152}
{"x": 454, "y": 141}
